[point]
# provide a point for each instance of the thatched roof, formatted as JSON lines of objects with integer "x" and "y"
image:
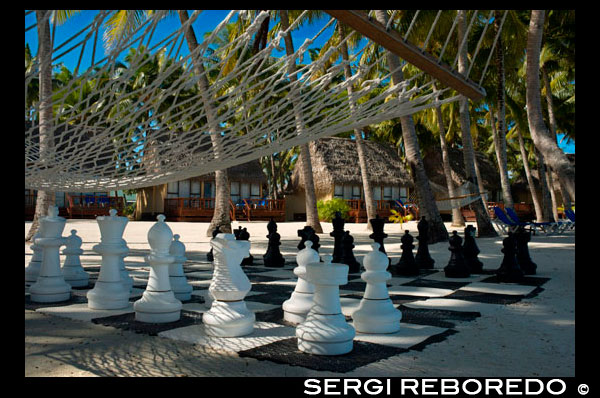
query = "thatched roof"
{"x": 335, "y": 162}
{"x": 435, "y": 172}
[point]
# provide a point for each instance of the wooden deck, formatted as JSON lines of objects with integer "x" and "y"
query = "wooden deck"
{"x": 202, "y": 209}
{"x": 358, "y": 210}
{"x": 92, "y": 206}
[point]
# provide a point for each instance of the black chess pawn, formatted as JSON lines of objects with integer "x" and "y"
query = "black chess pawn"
{"x": 509, "y": 270}
{"x": 338, "y": 235}
{"x": 273, "y": 257}
{"x": 471, "y": 251}
{"x": 209, "y": 255}
{"x": 522, "y": 238}
{"x": 456, "y": 268}
{"x": 423, "y": 258}
{"x": 407, "y": 266}
{"x": 347, "y": 256}
{"x": 242, "y": 234}
{"x": 378, "y": 235}
{"x": 308, "y": 233}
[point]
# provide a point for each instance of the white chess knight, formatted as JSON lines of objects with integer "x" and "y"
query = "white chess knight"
{"x": 72, "y": 270}
{"x": 297, "y": 306}
{"x": 158, "y": 303}
{"x": 325, "y": 331}
{"x": 50, "y": 286}
{"x": 109, "y": 292}
{"x": 179, "y": 284}
{"x": 228, "y": 315}
{"x": 376, "y": 312}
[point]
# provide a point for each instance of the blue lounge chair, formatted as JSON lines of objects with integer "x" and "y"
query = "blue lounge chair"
{"x": 505, "y": 224}
{"x": 571, "y": 216}
{"x": 546, "y": 227}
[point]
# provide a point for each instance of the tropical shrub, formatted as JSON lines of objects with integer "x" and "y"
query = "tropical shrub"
{"x": 327, "y": 209}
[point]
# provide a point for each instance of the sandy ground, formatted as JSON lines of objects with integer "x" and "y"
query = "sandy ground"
{"x": 532, "y": 338}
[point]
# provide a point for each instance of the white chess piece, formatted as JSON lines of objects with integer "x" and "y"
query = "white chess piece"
{"x": 109, "y": 292}
{"x": 325, "y": 331}
{"x": 72, "y": 270}
{"x": 158, "y": 303}
{"x": 376, "y": 312}
{"x": 228, "y": 315}
{"x": 50, "y": 286}
{"x": 32, "y": 271}
{"x": 297, "y": 306}
{"x": 126, "y": 279}
{"x": 179, "y": 284}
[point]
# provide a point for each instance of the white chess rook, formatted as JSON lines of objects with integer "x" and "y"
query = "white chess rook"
{"x": 50, "y": 286}
{"x": 179, "y": 284}
{"x": 109, "y": 292}
{"x": 376, "y": 312}
{"x": 32, "y": 271}
{"x": 228, "y": 315}
{"x": 72, "y": 270}
{"x": 325, "y": 331}
{"x": 158, "y": 303}
{"x": 297, "y": 306}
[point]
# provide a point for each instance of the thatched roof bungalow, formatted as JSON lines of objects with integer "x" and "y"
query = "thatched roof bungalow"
{"x": 336, "y": 173}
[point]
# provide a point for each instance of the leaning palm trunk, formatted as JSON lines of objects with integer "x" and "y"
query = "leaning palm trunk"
{"x": 427, "y": 205}
{"x": 553, "y": 155}
{"x": 484, "y": 224}
{"x": 500, "y": 148}
{"x": 362, "y": 160}
{"x": 546, "y": 199}
{"x": 312, "y": 214}
{"x": 221, "y": 216}
{"x": 536, "y": 201}
{"x": 46, "y": 136}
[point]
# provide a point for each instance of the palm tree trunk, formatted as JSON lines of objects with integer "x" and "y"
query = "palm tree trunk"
{"x": 221, "y": 215}
{"x": 46, "y": 136}
{"x": 484, "y": 224}
{"x": 553, "y": 155}
{"x": 546, "y": 199}
{"x": 312, "y": 214}
{"x": 360, "y": 146}
{"x": 536, "y": 201}
{"x": 427, "y": 205}
{"x": 500, "y": 148}
{"x": 479, "y": 182}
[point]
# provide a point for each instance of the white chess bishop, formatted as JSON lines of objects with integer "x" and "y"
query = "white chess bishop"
{"x": 297, "y": 306}
{"x": 376, "y": 312}
{"x": 158, "y": 303}
{"x": 50, "y": 286}
{"x": 72, "y": 270}
{"x": 179, "y": 284}
{"x": 325, "y": 331}
{"x": 228, "y": 315}
{"x": 109, "y": 292}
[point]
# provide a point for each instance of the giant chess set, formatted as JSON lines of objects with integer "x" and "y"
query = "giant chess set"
{"x": 323, "y": 311}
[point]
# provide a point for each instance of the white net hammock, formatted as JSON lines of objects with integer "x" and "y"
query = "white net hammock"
{"x": 114, "y": 130}
{"x": 463, "y": 196}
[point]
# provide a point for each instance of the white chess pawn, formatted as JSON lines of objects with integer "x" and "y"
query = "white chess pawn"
{"x": 32, "y": 271}
{"x": 228, "y": 315}
{"x": 376, "y": 312}
{"x": 179, "y": 284}
{"x": 297, "y": 306}
{"x": 158, "y": 303}
{"x": 109, "y": 292}
{"x": 325, "y": 331}
{"x": 72, "y": 270}
{"x": 50, "y": 286}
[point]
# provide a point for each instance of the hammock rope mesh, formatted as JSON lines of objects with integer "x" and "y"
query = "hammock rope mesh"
{"x": 138, "y": 117}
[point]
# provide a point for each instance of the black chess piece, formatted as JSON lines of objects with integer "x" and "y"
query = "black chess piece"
{"x": 209, "y": 255}
{"x": 242, "y": 234}
{"x": 509, "y": 270}
{"x": 456, "y": 268}
{"x": 308, "y": 233}
{"x": 471, "y": 251}
{"x": 423, "y": 258}
{"x": 338, "y": 235}
{"x": 407, "y": 266}
{"x": 378, "y": 235}
{"x": 273, "y": 257}
{"x": 347, "y": 256}
{"x": 522, "y": 238}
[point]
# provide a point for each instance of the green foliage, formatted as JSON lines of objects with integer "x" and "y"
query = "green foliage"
{"x": 327, "y": 209}
{"x": 396, "y": 217}
{"x": 129, "y": 209}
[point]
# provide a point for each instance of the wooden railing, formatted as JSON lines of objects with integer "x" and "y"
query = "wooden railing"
{"x": 197, "y": 209}
{"x": 192, "y": 209}
{"x": 358, "y": 210}
{"x": 264, "y": 209}
{"x": 93, "y": 205}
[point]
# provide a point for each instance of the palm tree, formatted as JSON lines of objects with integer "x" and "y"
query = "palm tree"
{"x": 546, "y": 144}
{"x": 427, "y": 205}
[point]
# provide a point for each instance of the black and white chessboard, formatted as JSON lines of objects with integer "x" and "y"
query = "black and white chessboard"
{"x": 431, "y": 305}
